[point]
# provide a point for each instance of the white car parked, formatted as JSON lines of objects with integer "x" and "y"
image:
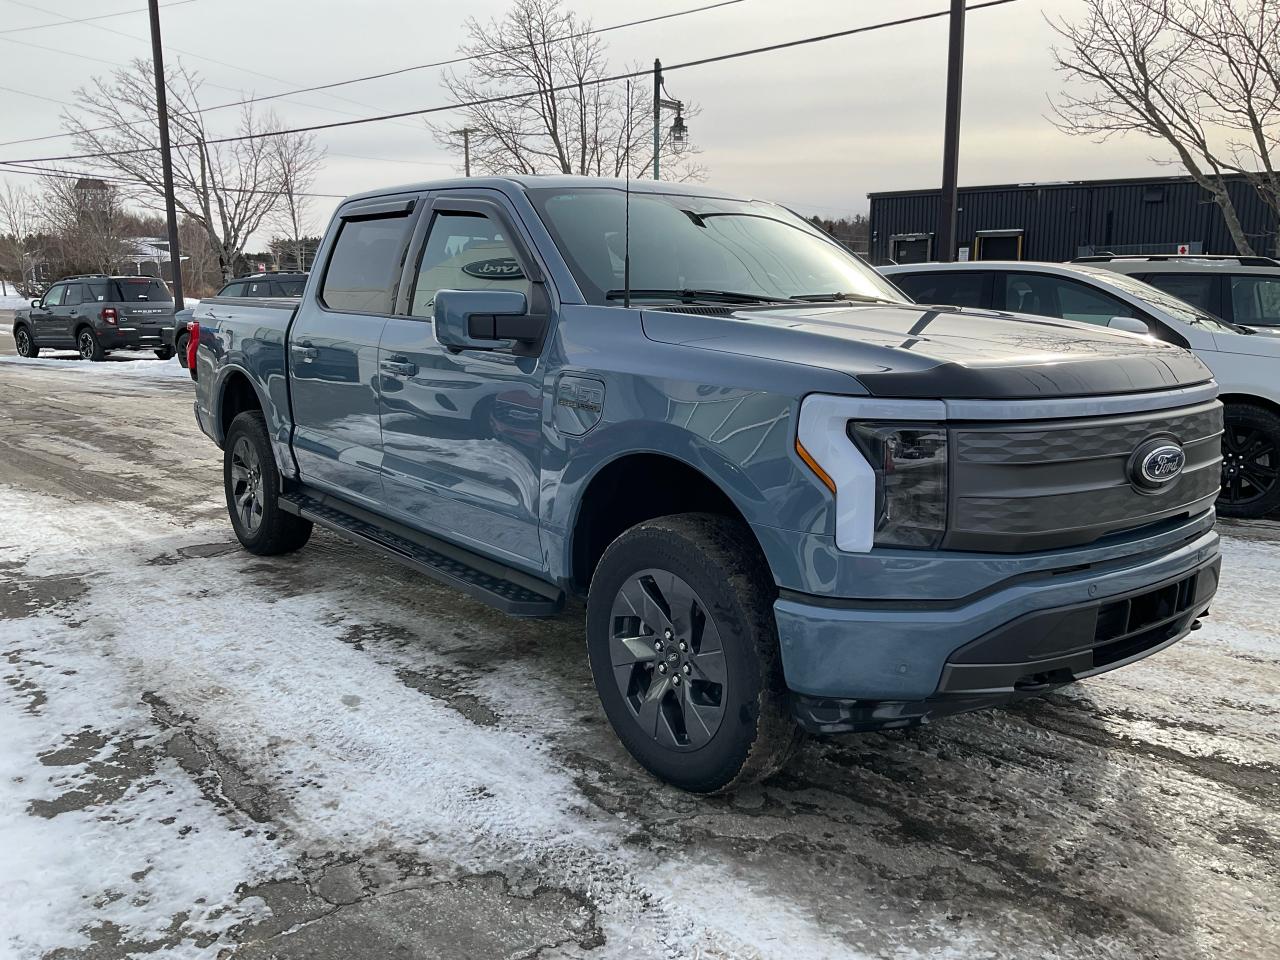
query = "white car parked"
{"x": 1244, "y": 360}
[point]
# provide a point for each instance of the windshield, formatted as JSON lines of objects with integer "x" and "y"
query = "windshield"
{"x": 143, "y": 290}
{"x": 1178, "y": 309}
{"x": 700, "y": 248}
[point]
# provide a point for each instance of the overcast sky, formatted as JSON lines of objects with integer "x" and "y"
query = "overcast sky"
{"x": 818, "y": 126}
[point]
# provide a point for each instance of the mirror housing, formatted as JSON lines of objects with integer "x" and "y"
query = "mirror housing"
{"x": 37, "y": 303}
{"x": 484, "y": 319}
{"x": 1129, "y": 325}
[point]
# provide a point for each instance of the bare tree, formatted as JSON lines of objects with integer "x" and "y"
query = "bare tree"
{"x": 553, "y": 115}
{"x": 1141, "y": 66}
{"x": 229, "y": 189}
{"x": 19, "y": 223}
{"x": 297, "y": 160}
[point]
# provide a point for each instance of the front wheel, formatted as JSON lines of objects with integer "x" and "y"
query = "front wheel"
{"x": 1250, "y": 462}
{"x": 89, "y": 346}
{"x": 253, "y": 490}
{"x": 684, "y": 652}
{"x": 24, "y": 343}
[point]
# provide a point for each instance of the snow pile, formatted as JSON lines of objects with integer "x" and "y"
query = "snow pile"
{"x": 14, "y": 302}
{"x": 151, "y": 369}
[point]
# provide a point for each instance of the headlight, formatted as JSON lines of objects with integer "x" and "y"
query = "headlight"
{"x": 910, "y": 465}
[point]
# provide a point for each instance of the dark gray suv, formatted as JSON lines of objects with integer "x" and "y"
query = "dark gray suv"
{"x": 95, "y": 314}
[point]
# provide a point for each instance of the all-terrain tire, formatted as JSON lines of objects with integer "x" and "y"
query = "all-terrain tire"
{"x": 1250, "y": 462}
{"x": 715, "y": 565}
{"x": 25, "y": 342}
{"x": 88, "y": 345}
{"x": 180, "y": 346}
{"x": 252, "y": 485}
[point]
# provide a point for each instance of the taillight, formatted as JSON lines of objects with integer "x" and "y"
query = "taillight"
{"x": 193, "y": 341}
{"x": 108, "y": 315}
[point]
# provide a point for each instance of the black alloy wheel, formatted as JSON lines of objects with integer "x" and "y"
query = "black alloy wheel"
{"x": 88, "y": 346}
{"x": 1250, "y": 462}
{"x": 23, "y": 343}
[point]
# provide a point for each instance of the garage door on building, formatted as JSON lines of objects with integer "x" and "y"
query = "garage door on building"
{"x": 997, "y": 245}
{"x": 911, "y": 247}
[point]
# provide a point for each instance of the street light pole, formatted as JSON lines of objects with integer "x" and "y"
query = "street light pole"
{"x": 657, "y": 115}
{"x": 950, "y": 198}
{"x": 166, "y": 158}
{"x": 466, "y": 150}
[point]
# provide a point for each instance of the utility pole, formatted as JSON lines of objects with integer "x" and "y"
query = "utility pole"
{"x": 166, "y": 159}
{"x": 657, "y": 115}
{"x": 950, "y": 198}
{"x": 466, "y": 150}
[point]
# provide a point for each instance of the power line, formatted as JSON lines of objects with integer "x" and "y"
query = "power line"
{"x": 37, "y": 96}
{"x": 33, "y": 171}
{"x": 101, "y": 16}
{"x": 703, "y": 61}
{"x": 410, "y": 69}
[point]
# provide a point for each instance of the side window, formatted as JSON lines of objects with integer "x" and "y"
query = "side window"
{"x": 1256, "y": 299}
{"x": 97, "y": 291}
{"x": 290, "y": 288}
{"x": 259, "y": 288}
{"x": 959, "y": 288}
{"x": 1048, "y": 296}
{"x": 364, "y": 265}
{"x": 73, "y": 298}
{"x": 465, "y": 251}
{"x": 53, "y": 298}
{"x": 1195, "y": 288}
{"x": 233, "y": 290}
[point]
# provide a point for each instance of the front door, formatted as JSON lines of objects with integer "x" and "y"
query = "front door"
{"x": 462, "y": 431}
{"x": 51, "y": 327}
{"x": 333, "y": 350}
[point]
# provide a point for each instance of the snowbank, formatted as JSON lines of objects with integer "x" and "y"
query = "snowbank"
{"x": 117, "y": 365}
{"x": 13, "y": 302}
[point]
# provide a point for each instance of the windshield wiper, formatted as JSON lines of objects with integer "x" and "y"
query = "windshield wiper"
{"x": 688, "y": 296}
{"x": 837, "y": 297}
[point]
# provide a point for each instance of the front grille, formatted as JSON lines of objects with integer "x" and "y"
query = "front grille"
{"x": 1051, "y": 484}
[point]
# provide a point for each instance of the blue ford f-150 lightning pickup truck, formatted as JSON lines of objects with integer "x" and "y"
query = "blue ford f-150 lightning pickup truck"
{"x": 793, "y": 500}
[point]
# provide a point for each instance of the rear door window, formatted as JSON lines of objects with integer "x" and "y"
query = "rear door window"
{"x": 259, "y": 288}
{"x": 97, "y": 291}
{"x": 1195, "y": 288}
{"x": 1255, "y": 298}
{"x": 73, "y": 297}
{"x": 233, "y": 290}
{"x": 290, "y": 288}
{"x": 364, "y": 265}
{"x": 959, "y": 288}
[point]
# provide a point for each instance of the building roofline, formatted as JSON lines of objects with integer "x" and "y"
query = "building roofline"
{"x": 1046, "y": 185}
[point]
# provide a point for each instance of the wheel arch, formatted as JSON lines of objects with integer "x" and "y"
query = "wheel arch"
{"x": 236, "y": 393}
{"x": 1250, "y": 399}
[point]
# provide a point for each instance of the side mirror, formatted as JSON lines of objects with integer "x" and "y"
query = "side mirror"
{"x": 1129, "y": 325}
{"x": 484, "y": 319}
{"x": 36, "y": 303}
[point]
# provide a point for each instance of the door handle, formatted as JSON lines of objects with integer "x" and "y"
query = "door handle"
{"x": 305, "y": 354}
{"x": 400, "y": 366}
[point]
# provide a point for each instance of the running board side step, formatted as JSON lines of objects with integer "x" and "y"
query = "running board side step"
{"x": 511, "y": 591}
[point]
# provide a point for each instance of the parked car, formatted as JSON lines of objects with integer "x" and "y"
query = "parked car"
{"x": 1242, "y": 290}
{"x": 274, "y": 283}
{"x": 96, "y": 314}
{"x": 1245, "y": 363}
{"x": 793, "y": 500}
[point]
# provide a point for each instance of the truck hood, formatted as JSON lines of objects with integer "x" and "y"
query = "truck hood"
{"x": 904, "y": 350}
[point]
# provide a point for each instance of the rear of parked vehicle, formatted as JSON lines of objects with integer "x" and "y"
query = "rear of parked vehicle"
{"x": 95, "y": 315}
{"x": 1119, "y": 292}
{"x": 284, "y": 283}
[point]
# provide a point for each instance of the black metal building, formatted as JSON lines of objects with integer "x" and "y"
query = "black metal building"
{"x": 1059, "y": 221}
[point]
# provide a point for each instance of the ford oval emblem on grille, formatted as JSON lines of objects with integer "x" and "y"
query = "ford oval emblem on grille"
{"x": 1156, "y": 463}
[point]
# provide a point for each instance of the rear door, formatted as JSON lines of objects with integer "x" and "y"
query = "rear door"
{"x": 462, "y": 431}
{"x": 333, "y": 348}
{"x": 73, "y": 311}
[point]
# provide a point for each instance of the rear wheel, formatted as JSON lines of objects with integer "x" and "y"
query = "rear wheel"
{"x": 253, "y": 490}
{"x": 181, "y": 347}
{"x": 24, "y": 344}
{"x": 164, "y": 353}
{"x": 684, "y": 652}
{"x": 1250, "y": 462}
{"x": 89, "y": 346}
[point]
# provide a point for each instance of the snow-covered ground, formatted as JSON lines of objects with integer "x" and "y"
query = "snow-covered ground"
{"x": 123, "y": 364}
{"x": 323, "y": 755}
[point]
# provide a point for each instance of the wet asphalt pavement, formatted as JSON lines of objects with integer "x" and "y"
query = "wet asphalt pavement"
{"x": 323, "y": 755}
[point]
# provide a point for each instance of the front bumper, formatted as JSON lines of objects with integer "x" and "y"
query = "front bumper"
{"x": 1030, "y": 633}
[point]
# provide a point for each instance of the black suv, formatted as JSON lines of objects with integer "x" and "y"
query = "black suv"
{"x": 273, "y": 283}
{"x": 96, "y": 314}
